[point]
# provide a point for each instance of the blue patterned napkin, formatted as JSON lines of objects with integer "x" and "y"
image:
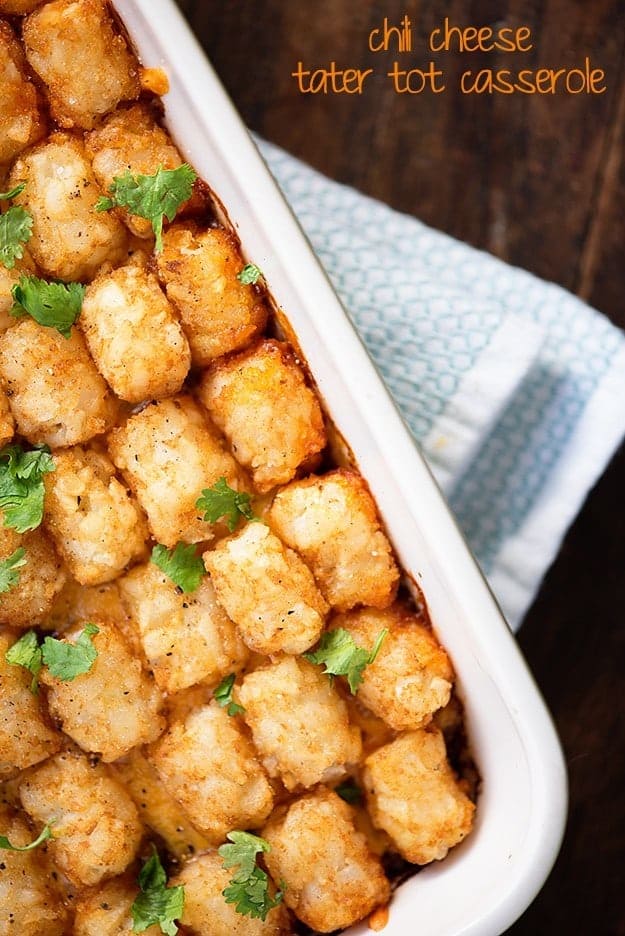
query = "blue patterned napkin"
{"x": 513, "y": 387}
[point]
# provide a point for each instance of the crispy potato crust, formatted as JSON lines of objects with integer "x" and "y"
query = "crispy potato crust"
{"x": 25, "y": 738}
{"x": 134, "y": 336}
{"x": 261, "y": 403}
{"x": 112, "y": 708}
{"x": 40, "y": 580}
{"x": 168, "y": 453}
{"x": 299, "y": 723}
{"x": 267, "y": 591}
{"x": 332, "y": 879}
{"x": 20, "y": 116}
{"x": 130, "y": 140}
{"x": 158, "y": 809}
{"x": 97, "y": 526}
{"x": 7, "y": 424}
{"x": 97, "y": 831}
{"x": 105, "y": 910}
{"x": 199, "y": 269}
{"x": 30, "y": 904}
{"x": 187, "y": 638}
{"x": 207, "y": 914}
{"x": 413, "y": 794}
{"x": 411, "y": 677}
{"x": 8, "y": 279}
{"x": 332, "y": 522}
{"x": 55, "y": 392}
{"x": 70, "y": 240}
{"x": 207, "y": 763}
{"x": 85, "y": 65}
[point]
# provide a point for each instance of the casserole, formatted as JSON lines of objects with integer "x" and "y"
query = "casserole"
{"x": 486, "y": 882}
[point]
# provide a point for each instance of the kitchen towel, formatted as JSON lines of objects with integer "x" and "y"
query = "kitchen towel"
{"x": 514, "y": 388}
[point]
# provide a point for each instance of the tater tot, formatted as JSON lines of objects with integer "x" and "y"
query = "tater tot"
{"x": 331, "y": 521}
{"x": 84, "y": 63}
{"x": 332, "y": 880}
{"x": 55, "y": 392}
{"x": 40, "y": 579}
{"x": 157, "y": 807}
{"x": 411, "y": 676}
{"x": 97, "y": 526}
{"x": 261, "y": 403}
{"x": 25, "y": 738}
{"x": 106, "y": 910}
{"x": 18, "y": 7}
{"x": 299, "y": 723}
{"x": 130, "y": 140}
{"x": 187, "y": 638}
{"x": 114, "y": 706}
{"x": 76, "y": 603}
{"x": 20, "y": 117}
{"x": 7, "y": 425}
{"x": 30, "y": 904}
{"x": 168, "y": 454}
{"x": 134, "y": 336}
{"x": 208, "y": 765}
{"x": 70, "y": 240}
{"x": 199, "y": 269}
{"x": 8, "y": 279}
{"x": 97, "y": 831}
{"x": 267, "y": 591}
{"x": 413, "y": 794}
{"x": 206, "y": 913}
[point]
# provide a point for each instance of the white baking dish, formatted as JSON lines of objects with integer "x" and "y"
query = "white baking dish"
{"x": 487, "y": 882}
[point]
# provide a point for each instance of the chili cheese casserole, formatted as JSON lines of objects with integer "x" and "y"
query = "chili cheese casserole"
{"x": 220, "y": 713}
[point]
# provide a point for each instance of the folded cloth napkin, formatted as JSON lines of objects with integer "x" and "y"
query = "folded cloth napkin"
{"x": 513, "y": 388}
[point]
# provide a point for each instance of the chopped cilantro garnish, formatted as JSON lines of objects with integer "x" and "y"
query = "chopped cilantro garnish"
{"x": 249, "y": 887}
{"x": 7, "y": 196}
{"x": 55, "y": 305}
{"x": 223, "y": 695}
{"x": 16, "y": 228}
{"x": 21, "y": 485}
{"x": 9, "y": 569}
{"x": 342, "y": 657}
{"x": 26, "y": 652}
{"x": 182, "y": 565}
{"x": 65, "y": 660}
{"x": 349, "y": 792}
{"x": 152, "y": 197}
{"x": 249, "y": 275}
{"x": 44, "y": 835}
{"x": 221, "y": 500}
{"x": 156, "y": 904}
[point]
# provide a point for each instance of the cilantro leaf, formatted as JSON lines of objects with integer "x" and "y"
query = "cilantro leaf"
{"x": 182, "y": 564}
{"x": 221, "y": 500}
{"x": 56, "y": 305}
{"x": 223, "y": 695}
{"x": 21, "y": 485}
{"x": 7, "y": 196}
{"x": 249, "y": 887}
{"x": 152, "y": 197}
{"x": 26, "y": 652}
{"x": 16, "y": 228}
{"x": 342, "y": 657}
{"x": 44, "y": 835}
{"x": 249, "y": 275}
{"x": 66, "y": 660}
{"x": 156, "y": 904}
{"x": 9, "y": 574}
{"x": 349, "y": 792}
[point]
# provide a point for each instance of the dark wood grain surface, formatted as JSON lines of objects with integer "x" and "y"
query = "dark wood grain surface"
{"x": 540, "y": 182}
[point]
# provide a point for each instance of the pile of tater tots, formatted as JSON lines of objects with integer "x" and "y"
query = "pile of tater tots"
{"x": 217, "y": 714}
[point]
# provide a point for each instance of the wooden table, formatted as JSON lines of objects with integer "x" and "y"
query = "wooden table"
{"x": 539, "y": 181}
